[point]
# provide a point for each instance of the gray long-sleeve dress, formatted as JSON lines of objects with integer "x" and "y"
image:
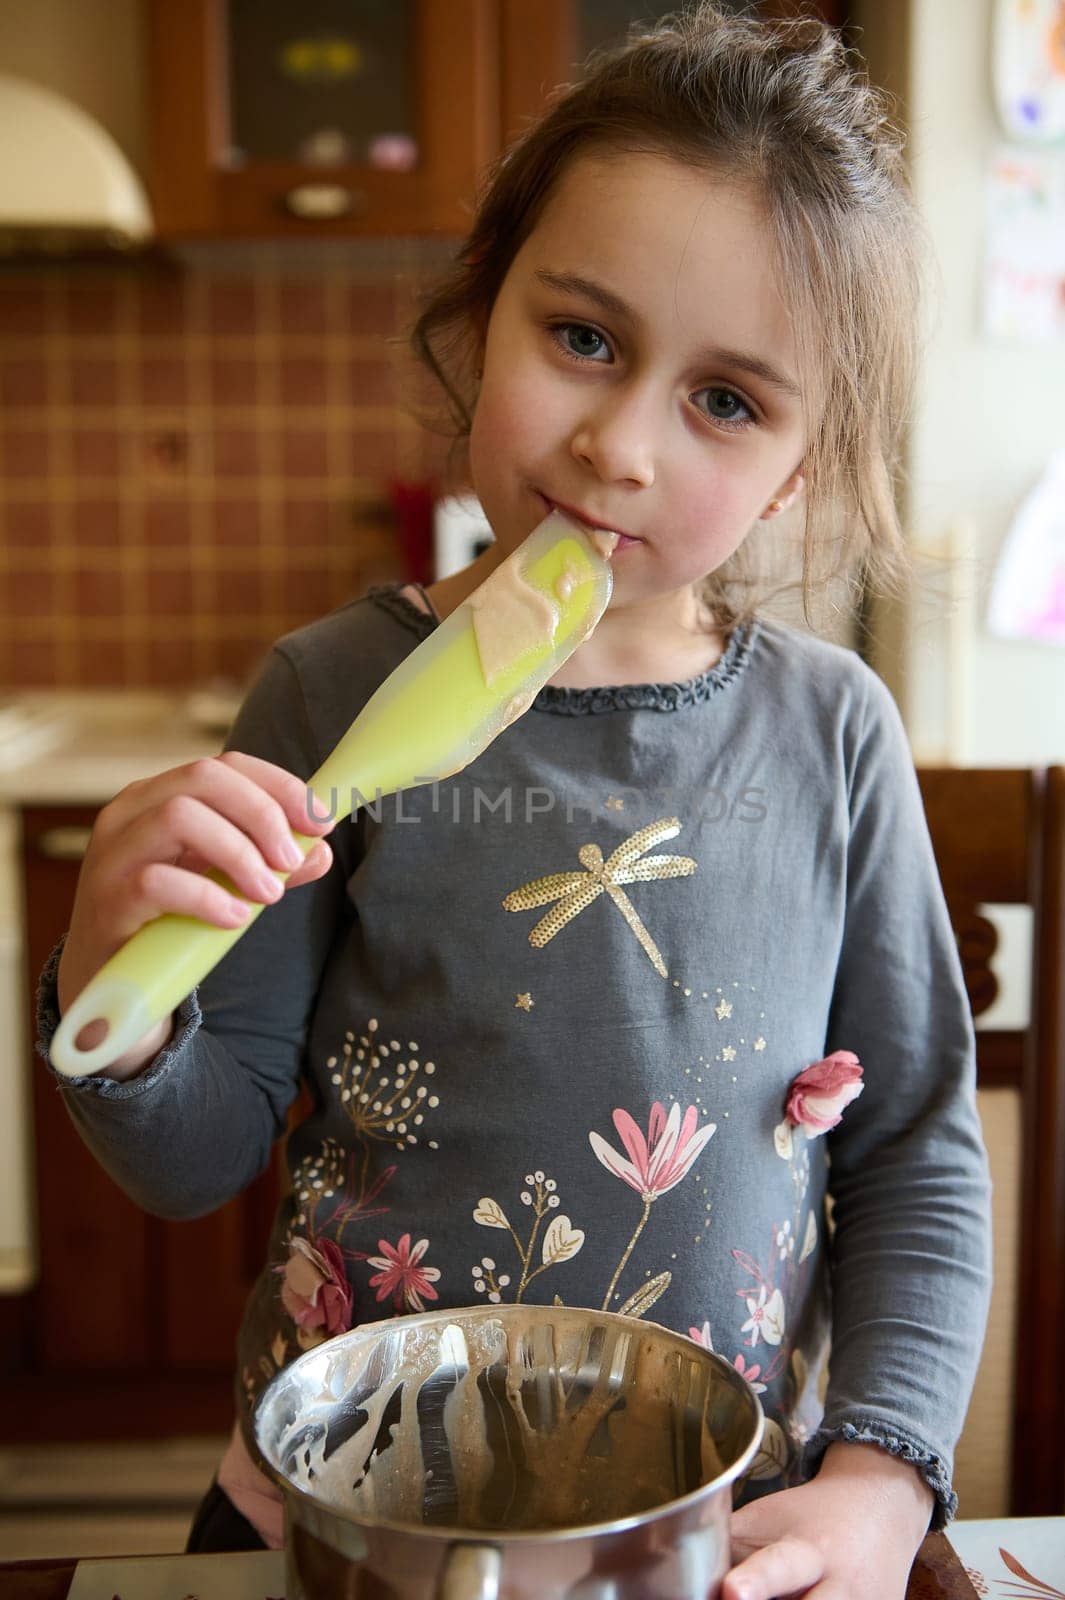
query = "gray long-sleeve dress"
{"x": 549, "y": 1011}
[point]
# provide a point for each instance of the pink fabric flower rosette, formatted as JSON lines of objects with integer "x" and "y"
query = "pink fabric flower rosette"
{"x": 821, "y": 1093}
{"x": 818, "y": 1097}
{"x": 315, "y": 1290}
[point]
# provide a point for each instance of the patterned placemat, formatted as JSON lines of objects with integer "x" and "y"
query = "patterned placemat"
{"x": 1019, "y": 1559}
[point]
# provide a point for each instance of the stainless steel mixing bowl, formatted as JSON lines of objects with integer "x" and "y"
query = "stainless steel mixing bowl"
{"x": 508, "y": 1453}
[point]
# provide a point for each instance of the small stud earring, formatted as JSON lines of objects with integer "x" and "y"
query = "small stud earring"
{"x": 774, "y": 508}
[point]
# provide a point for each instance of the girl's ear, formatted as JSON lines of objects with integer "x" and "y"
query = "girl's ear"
{"x": 786, "y": 495}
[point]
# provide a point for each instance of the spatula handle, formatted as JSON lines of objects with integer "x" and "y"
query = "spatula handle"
{"x": 147, "y": 979}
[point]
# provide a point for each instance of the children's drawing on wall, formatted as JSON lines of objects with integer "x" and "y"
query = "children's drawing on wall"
{"x": 1028, "y": 69}
{"x": 1024, "y": 291}
{"x": 1028, "y": 588}
{"x": 1025, "y": 276}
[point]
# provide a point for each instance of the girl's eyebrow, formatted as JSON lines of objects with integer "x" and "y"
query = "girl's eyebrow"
{"x": 573, "y": 283}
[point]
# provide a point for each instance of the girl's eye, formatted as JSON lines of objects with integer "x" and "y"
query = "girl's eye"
{"x": 725, "y": 408}
{"x": 576, "y": 338}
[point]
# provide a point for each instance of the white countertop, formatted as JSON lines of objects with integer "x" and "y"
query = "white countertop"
{"x": 80, "y": 747}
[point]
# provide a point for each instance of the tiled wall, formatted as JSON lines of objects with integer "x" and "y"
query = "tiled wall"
{"x": 196, "y": 456}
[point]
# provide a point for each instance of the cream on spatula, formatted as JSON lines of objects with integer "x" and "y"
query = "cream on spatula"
{"x": 474, "y": 675}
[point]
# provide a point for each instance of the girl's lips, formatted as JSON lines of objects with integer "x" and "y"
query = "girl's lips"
{"x": 623, "y": 539}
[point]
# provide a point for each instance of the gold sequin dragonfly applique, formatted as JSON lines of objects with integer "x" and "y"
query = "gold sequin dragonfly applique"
{"x": 574, "y": 891}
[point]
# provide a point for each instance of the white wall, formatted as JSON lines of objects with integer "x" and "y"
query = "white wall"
{"x": 90, "y": 50}
{"x": 989, "y": 413}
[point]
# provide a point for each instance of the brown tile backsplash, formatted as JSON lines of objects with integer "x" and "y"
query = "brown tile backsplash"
{"x": 196, "y": 457}
{"x": 22, "y": 311}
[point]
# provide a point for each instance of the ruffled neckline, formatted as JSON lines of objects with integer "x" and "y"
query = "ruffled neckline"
{"x": 612, "y": 697}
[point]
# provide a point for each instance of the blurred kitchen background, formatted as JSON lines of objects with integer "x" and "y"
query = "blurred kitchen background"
{"x": 214, "y": 218}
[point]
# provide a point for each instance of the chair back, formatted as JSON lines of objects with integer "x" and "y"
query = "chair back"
{"x": 999, "y": 841}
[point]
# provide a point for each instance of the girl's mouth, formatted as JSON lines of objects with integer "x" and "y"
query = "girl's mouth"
{"x": 624, "y": 539}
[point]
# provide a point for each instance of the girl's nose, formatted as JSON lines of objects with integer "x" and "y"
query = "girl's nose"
{"x": 615, "y": 442}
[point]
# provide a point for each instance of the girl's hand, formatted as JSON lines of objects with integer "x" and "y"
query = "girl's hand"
{"x": 150, "y": 848}
{"x": 854, "y": 1530}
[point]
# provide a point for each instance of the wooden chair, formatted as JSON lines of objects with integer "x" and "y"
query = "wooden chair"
{"x": 999, "y": 839}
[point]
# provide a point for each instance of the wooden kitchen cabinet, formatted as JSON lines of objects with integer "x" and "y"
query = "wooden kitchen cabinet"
{"x": 347, "y": 118}
{"x": 330, "y": 118}
{"x": 130, "y": 1331}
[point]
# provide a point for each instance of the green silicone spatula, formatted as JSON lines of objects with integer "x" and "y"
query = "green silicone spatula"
{"x": 431, "y": 717}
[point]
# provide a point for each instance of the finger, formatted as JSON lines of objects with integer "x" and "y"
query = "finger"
{"x": 261, "y": 799}
{"x": 182, "y": 824}
{"x": 264, "y": 802}
{"x": 166, "y": 888}
{"x": 268, "y": 803}
{"x": 785, "y": 1567}
{"x": 318, "y": 862}
{"x": 305, "y": 811}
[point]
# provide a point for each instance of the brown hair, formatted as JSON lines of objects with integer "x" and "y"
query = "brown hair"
{"x": 784, "y": 107}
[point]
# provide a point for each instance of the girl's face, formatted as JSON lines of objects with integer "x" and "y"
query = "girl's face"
{"x": 639, "y": 369}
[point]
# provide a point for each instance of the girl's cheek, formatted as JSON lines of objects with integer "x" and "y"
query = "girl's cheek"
{"x": 508, "y": 418}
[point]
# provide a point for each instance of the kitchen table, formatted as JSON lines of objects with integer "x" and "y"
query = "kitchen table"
{"x": 937, "y": 1575}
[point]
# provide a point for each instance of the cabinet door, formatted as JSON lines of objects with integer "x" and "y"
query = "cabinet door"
{"x": 127, "y": 1304}
{"x": 327, "y": 118}
{"x": 544, "y": 41}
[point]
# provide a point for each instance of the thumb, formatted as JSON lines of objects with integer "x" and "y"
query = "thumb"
{"x": 781, "y": 1568}
{"x": 318, "y": 860}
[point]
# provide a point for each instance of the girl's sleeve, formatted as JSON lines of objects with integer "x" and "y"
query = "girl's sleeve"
{"x": 909, "y": 1178}
{"x": 197, "y": 1125}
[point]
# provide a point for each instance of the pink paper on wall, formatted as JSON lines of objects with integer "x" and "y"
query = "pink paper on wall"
{"x": 1028, "y": 588}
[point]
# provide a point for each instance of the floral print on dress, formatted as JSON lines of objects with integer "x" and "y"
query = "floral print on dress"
{"x": 335, "y": 1174}
{"x": 815, "y": 1101}
{"x": 387, "y": 1094}
{"x": 766, "y": 1298}
{"x": 749, "y": 1373}
{"x": 561, "y": 1240}
{"x": 385, "y": 1090}
{"x": 653, "y": 1166}
{"x": 401, "y": 1275}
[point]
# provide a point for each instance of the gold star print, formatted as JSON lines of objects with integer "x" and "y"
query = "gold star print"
{"x": 613, "y": 803}
{"x": 723, "y": 1009}
{"x": 525, "y": 1002}
{"x": 728, "y": 1054}
{"x": 574, "y": 891}
{"x": 759, "y": 1043}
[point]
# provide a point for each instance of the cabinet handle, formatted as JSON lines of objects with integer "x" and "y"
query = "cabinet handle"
{"x": 64, "y": 843}
{"x": 321, "y": 202}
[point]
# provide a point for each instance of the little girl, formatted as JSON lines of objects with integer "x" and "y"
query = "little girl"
{"x": 609, "y": 1015}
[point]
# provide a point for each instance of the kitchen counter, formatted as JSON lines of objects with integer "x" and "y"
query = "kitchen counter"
{"x": 937, "y": 1575}
{"x": 80, "y": 747}
{"x": 74, "y": 748}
